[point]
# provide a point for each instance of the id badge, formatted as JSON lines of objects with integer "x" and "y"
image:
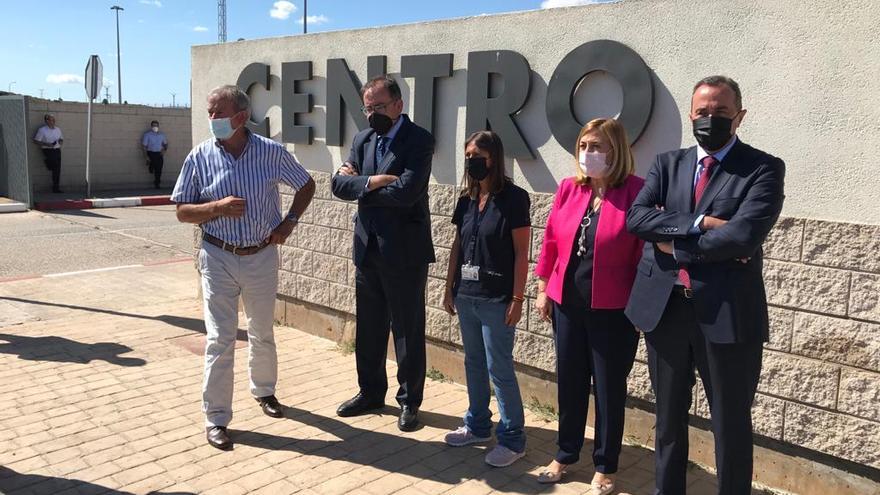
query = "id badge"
{"x": 470, "y": 272}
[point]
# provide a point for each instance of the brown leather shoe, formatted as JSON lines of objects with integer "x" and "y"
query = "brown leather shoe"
{"x": 218, "y": 438}
{"x": 271, "y": 406}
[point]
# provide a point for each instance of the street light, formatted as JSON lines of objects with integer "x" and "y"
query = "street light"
{"x": 305, "y": 16}
{"x": 117, "y": 8}
{"x": 9, "y": 88}
{"x": 173, "y": 102}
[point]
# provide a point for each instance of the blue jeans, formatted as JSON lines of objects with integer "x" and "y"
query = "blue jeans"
{"x": 488, "y": 354}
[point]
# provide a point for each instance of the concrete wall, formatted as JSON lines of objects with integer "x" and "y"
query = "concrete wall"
{"x": 117, "y": 161}
{"x": 13, "y": 149}
{"x": 807, "y": 70}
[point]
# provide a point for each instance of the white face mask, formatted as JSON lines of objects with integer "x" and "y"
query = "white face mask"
{"x": 155, "y": 128}
{"x": 221, "y": 128}
{"x": 594, "y": 164}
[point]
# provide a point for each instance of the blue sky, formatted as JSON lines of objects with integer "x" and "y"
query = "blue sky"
{"x": 45, "y": 48}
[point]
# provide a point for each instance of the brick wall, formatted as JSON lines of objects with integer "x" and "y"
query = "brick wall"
{"x": 820, "y": 385}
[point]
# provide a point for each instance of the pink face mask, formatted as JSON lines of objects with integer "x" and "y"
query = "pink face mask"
{"x": 594, "y": 164}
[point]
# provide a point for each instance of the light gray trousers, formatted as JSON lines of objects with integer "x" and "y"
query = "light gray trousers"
{"x": 225, "y": 278}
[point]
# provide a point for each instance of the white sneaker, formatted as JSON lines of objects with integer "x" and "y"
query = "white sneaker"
{"x": 462, "y": 436}
{"x": 501, "y": 456}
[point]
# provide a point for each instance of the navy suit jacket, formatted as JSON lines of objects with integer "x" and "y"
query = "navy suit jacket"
{"x": 746, "y": 189}
{"x": 396, "y": 215}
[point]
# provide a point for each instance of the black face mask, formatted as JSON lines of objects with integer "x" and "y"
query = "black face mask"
{"x": 476, "y": 167}
{"x": 712, "y": 132}
{"x": 380, "y": 123}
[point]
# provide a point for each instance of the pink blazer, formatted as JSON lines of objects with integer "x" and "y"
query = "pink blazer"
{"x": 615, "y": 254}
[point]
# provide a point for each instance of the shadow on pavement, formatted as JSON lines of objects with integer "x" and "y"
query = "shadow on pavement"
{"x": 13, "y": 483}
{"x": 182, "y": 322}
{"x": 395, "y": 453}
{"x": 62, "y": 350}
{"x": 80, "y": 213}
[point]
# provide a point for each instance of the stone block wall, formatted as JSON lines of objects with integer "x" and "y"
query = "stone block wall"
{"x": 117, "y": 160}
{"x": 820, "y": 385}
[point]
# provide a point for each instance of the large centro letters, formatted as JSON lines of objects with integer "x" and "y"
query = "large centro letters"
{"x": 484, "y": 111}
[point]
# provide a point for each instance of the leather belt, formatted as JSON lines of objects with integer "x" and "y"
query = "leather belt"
{"x": 683, "y": 291}
{"x": 241, "y": 251}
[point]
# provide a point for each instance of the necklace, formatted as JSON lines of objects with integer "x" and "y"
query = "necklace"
{"x": 585, "y": 224}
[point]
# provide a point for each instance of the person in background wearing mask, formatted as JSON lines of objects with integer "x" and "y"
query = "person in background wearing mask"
{"x": 155, "y": 144}
{"x": 585, "y": 273}
{"x": 699, "y": 294}
{"x": 50, "y": 139}
{"x": 387, "y": 173}
{"x": 242, "y": 224}
{"x": 485, "y": 283}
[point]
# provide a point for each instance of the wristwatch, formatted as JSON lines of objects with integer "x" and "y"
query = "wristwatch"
{"x": 292, "y": 217}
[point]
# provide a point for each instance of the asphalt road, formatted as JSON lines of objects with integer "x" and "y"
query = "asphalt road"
{"x": 42, "y": 243}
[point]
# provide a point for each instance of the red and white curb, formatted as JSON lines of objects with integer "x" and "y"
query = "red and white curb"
{"x": 84, "y": 204}
{"x": 97, "y": 270}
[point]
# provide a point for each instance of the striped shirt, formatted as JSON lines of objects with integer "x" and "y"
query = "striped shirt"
{"x": 210, "y": 173}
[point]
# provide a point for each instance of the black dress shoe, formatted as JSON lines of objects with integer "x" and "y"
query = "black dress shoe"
{"x": 271, "y": 406}
{"x": 409, "y": 418}
{"x": 217, "y": 437}
{"x": 359, "y": 404}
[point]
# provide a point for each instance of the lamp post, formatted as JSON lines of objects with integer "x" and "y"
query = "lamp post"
{"x": 173, "y": 101}
{"x": 117, "y": 8}
{"x": 305, "y": 16}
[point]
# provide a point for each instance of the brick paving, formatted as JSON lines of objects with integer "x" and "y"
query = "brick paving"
{"x": 100, "y": 378}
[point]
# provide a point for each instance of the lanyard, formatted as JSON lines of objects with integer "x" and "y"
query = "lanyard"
{"x": 478, "y": 219}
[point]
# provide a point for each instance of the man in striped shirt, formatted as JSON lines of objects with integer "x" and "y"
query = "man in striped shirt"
{"x": 229, "y": 186}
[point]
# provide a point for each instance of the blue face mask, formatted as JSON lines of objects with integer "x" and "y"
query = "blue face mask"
{"x": 221, "y": 128}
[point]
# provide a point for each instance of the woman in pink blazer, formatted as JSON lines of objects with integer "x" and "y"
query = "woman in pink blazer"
{"x": 585, "y": 273}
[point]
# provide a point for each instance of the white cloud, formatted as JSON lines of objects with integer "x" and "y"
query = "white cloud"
{"x": 200, "y": 29}
{"x": 552, "y": 4}
{"x": 64, "y": 79}
{"x": 282, "y": 9}
{"x": 315, "y": 20}
{"x": 156, "y": 3}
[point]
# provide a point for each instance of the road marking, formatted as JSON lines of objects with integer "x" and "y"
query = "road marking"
{"x": 65, "y": 274}
{"x": 146, "y": 264}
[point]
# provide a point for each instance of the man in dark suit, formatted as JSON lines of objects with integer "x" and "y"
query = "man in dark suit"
{"x": 387, "y": 173}
{"x": 699, "y": 293}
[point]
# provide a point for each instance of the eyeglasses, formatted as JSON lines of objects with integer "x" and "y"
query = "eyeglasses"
{"x": 367, "y": 110}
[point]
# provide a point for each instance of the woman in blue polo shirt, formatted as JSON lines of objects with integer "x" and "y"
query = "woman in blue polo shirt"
{"x": 485, "y": 281}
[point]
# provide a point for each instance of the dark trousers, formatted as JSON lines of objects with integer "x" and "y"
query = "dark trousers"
{"x": 600, "y": 344}
{"x": 52, "y": 159}
{"x": 729, "y": 373}
{"x": 391, "y": 298}
{"x": 156, "y": 162}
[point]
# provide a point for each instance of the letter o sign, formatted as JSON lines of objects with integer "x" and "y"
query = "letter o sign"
{"x": 622, "y": 63}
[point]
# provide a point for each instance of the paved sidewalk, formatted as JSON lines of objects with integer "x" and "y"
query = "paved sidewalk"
{"x": 100, "y": 389}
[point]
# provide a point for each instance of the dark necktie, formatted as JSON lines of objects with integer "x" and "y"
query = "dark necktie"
{"x": 381, "y": 149}
{"x": 708, "y": 162}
